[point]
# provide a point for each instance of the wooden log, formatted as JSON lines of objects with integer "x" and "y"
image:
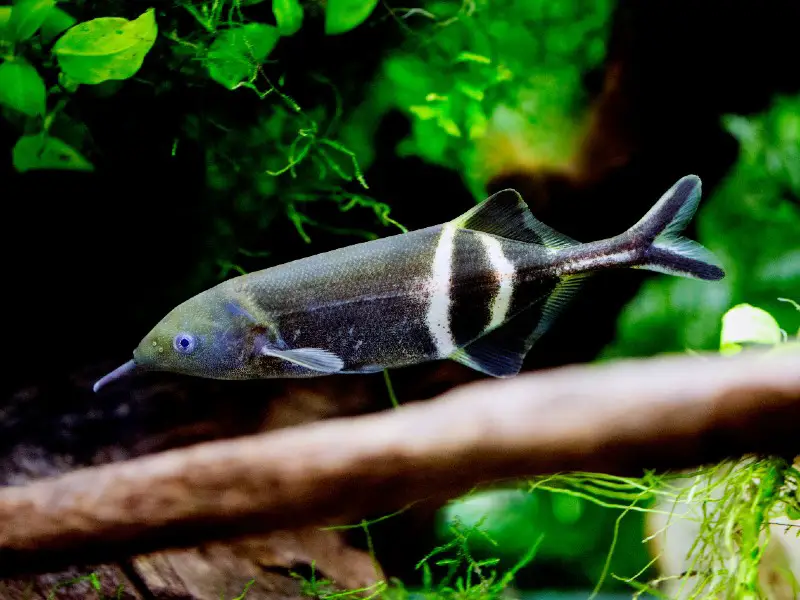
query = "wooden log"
{"x": 669, "y": 412}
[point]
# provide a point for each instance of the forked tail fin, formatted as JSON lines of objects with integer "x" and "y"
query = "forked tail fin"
{"x": 666, "y": 251}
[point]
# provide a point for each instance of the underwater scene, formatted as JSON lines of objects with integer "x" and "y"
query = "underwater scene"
{"x": 355, "y": 299}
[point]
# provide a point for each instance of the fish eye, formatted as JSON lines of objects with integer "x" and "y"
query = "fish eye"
{"x": 184, "y": 343}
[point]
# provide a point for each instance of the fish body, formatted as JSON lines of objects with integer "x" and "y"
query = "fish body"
{"x": 480, "y": 289}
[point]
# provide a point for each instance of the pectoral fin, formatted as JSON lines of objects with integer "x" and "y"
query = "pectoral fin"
{"x": 316, "y": 359}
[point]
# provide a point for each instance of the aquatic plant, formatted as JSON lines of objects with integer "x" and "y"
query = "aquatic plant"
{"x": 97, "y": 51}
{"x": 282, "y": 160}
{"x": 476, "y": 76}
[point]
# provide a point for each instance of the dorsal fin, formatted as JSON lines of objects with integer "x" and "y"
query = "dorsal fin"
{"x": 506, "y": 215}
{"x": 500, "y": 352}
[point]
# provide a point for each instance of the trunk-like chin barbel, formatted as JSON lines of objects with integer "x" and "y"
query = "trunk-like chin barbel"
{"x": 118, "y": 373}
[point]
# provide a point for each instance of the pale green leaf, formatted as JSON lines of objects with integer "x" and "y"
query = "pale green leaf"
{"x": 107, "y": 48}
{"x": 748, "y": 325}
{"x": 343, "y": 15}
{"x": 27, "y": 16}
{"x": 289, "y": 15}
{"x": 5, "y": 17}
{"x": 236, "y": 53}
{"x": 22, "y": 88}
{"x": 472, "y": 57}
{"x": 57, "y": 22}
{"x": 423, "y": 111}
{"x": 470, "y": 90}
{"x": 33, "y": 152}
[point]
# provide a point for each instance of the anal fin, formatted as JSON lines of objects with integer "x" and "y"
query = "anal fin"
{"x": 501, "y": 351}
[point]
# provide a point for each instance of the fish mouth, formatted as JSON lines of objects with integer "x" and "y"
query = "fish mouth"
{"x": 121, "y": 371}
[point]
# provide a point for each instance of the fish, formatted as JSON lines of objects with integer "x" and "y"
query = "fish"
{"x": 480, "y": 290}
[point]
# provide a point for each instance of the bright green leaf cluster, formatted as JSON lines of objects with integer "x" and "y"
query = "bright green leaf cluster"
{"x": 239, "y": 49}
{"x": 106, "y": 48}
{"x": 500, "y": 67}
{"x": 93, "y": 52}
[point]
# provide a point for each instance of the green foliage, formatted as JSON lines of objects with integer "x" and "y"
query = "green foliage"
{"x": 740, "y": 500}
{"x": 22, "y": 88}
{"x": 289, "y": 16}
{"x": 27, "y": 16}
{"x": 96, "y": 51}
{"x": 300, "y": 166}
{"x": 33, "y": 152}
{"x": 236, "y": 53}
{"x": 474, "y": 77}
{"x": 343, "y": 15}
{"x": 752, "y": 224}
{"x": 5, "y": 17}
{"x": 56, "y": 23}
{"x": 574, "y": 517}
{"x": 106, "y": 48}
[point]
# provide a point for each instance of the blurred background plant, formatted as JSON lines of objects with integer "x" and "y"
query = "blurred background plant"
{"x": 154, "y": 150}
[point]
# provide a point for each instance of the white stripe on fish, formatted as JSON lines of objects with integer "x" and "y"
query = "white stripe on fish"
{"x": 505, "y": 271}
{"x": 438, "y": 315}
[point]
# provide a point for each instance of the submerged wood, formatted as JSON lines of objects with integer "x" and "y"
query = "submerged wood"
{"x": 668, "y": 412}
{"x": 156, "y": 414}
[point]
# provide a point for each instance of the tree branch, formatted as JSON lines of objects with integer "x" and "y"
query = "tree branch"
{"x": 670, "y": 412}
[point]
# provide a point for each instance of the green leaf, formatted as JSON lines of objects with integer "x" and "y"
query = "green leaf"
{"x": 22, "y": 88}
{"x": 5, "y": 17}
{"x": 343, "y": 15}
{"x": 107, "y": 48}
{"x": 27, "y": 16}
{"x": 236, "y": 53}
{"x": 744, "y": 325}
{"x": 55, "y": 24}
{"x": 289, "y": 15}
{"x": 33, "y": 152}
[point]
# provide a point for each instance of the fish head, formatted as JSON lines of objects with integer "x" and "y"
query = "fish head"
{"x": 204, "y": 337}
{"x": 199, "y": 337}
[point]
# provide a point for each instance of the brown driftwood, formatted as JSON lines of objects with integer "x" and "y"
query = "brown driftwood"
{"x": 261, "y": 566}
{"x": 157, "y": 416}
{"x": 668, "y": 412}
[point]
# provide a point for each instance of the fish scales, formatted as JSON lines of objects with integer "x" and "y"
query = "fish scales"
{"x": 313, "y": 301}
{"x": 480, "y": 290}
